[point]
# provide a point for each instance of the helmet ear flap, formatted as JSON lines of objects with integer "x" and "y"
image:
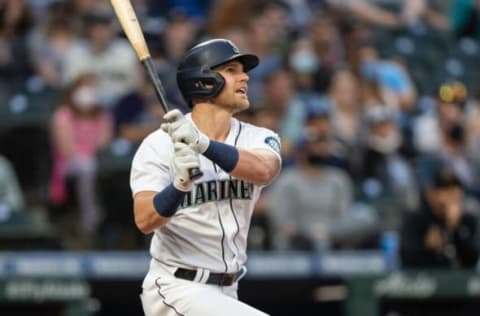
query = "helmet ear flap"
{"x": 200, "y": 84}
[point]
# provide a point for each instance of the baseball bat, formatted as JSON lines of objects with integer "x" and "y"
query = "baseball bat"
{"x": 128, "y": 20}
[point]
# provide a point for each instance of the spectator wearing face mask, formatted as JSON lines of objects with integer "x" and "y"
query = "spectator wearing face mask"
{"x": 110, "y": 58}
{"x": 441, "y": 137}
{"x": 387, "y": 179}
{"x": 440, "y": 234}
{"x": 304, "y": 63}
{"x": 311, "y": 203}
{"x": 79, "y": 126}
{"x": 433, "y": 126}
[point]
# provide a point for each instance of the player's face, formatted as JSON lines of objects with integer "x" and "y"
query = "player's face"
{"x": 234, "y": 93}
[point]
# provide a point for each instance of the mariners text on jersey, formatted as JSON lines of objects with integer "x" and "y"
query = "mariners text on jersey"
{"x": 218, "y": 190}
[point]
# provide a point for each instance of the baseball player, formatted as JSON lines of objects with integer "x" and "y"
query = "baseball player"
{"x": 200, "y": 225}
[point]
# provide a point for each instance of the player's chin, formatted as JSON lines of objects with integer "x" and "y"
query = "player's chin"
{"x": 237, "y": 104}
{"x": 243, "y": 104}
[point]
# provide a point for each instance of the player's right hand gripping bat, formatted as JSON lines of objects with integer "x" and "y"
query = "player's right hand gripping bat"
{"x": 129, "y": 22}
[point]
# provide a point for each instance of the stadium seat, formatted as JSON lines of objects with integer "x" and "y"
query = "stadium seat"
{"x": 24, "y": 230}
{"x": 118, "y": 229}
{"x": 25, "y": 140}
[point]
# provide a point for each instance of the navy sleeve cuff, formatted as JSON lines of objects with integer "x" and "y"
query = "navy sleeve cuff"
{"x": 166, "y": 202}
{"x": 224, "y": 155}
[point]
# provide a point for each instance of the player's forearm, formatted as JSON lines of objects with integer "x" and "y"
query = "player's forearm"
{"x": 256, "y": 167}
{"x": 147, "y": 218}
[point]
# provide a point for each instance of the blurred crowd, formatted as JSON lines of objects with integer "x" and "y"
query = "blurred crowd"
{"x": 377, "y": 104}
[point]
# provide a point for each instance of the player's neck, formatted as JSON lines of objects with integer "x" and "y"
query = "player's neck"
{"x": 212, "y": 121}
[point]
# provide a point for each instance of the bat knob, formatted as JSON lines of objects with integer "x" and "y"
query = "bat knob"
{"x": 195, "y": 173}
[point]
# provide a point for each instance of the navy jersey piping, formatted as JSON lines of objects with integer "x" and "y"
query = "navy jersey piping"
{"x": 221, "y": 226}
{"x": 162, "y": 296}
{"x": 231, "y": 200}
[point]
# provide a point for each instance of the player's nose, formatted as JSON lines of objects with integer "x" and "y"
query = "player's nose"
{"x": 244, "y": 77}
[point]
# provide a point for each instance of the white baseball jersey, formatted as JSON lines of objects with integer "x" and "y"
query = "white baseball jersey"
{"x": 209, "y": 231}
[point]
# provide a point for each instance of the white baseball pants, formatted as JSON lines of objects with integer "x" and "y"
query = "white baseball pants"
{"x": 165, "y": 295}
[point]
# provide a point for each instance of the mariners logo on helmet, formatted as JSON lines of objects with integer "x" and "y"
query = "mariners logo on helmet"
{"x": 195, "y": 77}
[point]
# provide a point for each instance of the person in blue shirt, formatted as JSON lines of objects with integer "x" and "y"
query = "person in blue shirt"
{"x": 138, "y": 113}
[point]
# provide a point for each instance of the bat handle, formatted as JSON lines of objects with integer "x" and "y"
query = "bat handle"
{"x": 195, "y": 173}
{"x": 157, "y": 84}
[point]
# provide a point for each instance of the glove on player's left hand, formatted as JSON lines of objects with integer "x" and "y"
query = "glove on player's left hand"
{"x": 182, "y": 130}
{"x": 186, "y": 158}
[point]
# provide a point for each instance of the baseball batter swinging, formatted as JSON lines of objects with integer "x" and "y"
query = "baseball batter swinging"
{"x": 200, "y": 226}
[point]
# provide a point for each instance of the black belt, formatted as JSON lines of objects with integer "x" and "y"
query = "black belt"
{"x": 222, "y": 279}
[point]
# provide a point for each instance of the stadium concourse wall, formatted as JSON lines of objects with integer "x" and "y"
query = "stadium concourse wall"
{"x": 340, "y": 283}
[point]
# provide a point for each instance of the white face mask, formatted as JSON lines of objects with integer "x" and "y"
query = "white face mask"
{"x": 304, "y": 61}
{"x": 85, "y": 97}
{"x": 385, "y": 145}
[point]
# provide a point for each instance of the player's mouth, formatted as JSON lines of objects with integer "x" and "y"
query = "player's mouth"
{"x": 243, "y": 91}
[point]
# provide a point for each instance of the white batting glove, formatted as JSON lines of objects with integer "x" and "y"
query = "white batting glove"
{"x": 182, "y": 130}
{"x": 185, "y": 159}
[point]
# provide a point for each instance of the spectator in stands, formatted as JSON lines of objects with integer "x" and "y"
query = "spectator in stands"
{"x": 264, "y": 117}
{"x": 85, "y": 7}
{"x": 464, "y": 16}
{"x": 50, "y": 43}
{"x": 111, "y": 59}
{"x": 328, "y": 47}
{"x": 385, "y": 81}
{"x": 195, "y": 9}
{"x": 441, "y": 234}
{"x": 80, "y": 126}
{"x": 441, "y": 139}
{"x": 311, "y": 202}
{"x": 267, "y": 29}
{"x": 266, "y": 37}
{"x": 226, "y": 15}
{"x": 280, "y": 96}
{"x": 304, "y": 63}
{"x": 167, "y": 45}
{"x": 179, "y": 33}
{"x": 431, "y": 127}
{"x": 407, "y": 13}
{"x": 11, "y": 195}
{"x": 138, "y": 113}
{"x": 452, "y": 152}
{"x": 387, "y": 180}
{"x": 16, "y": 21}
{"x": 472, "y": 132}
{"x": 344, "y": 98}
{"x": 305, "y": 69}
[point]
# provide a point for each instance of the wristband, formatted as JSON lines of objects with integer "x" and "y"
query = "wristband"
{"x": 224, "y": 155}
{"x": 167, "y": 201}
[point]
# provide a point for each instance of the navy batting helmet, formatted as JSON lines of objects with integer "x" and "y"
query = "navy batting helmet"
{"x": 195, "y": 77}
